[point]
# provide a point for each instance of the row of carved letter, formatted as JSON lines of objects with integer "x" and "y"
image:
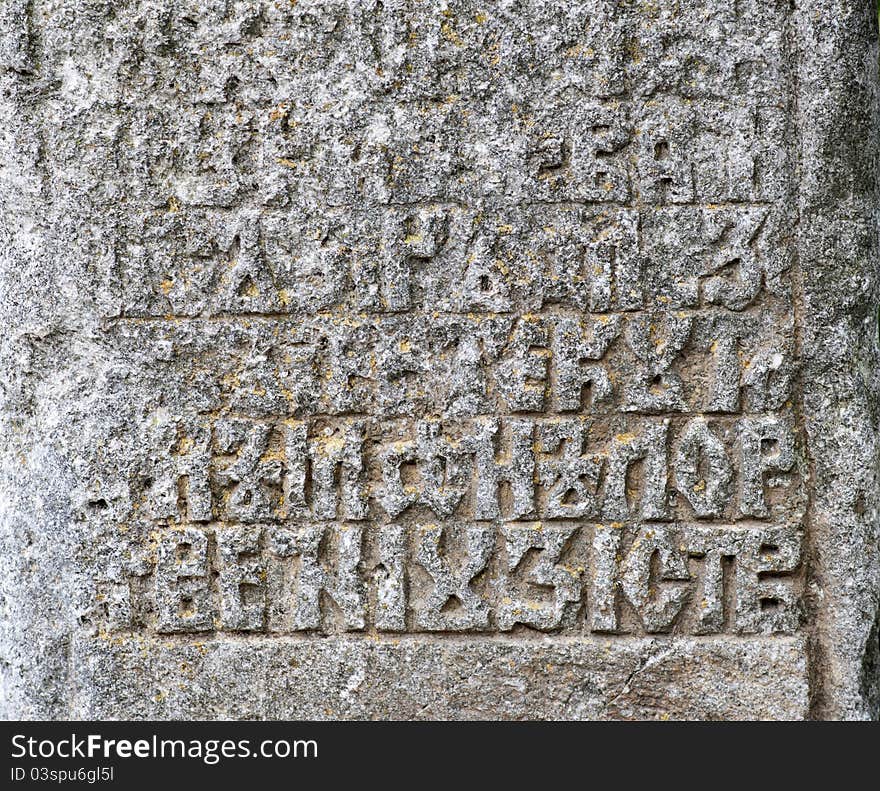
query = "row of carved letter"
{"x": 470, "y": 577}
{"x": 647, "y": 364}
{"x": 241, "y": 470}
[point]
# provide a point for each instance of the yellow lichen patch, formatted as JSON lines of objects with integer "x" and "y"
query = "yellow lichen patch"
{"x": 288, "y": 394}
{"x": 332, "y": 444}
{"x": 278, "y": 113}
{"x": 275, "y": 454}
{"x": 230, "y": 380}
{"x": 634, "y": 52}
{"x": 166, "y": 286}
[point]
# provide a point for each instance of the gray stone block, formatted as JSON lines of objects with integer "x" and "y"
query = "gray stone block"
{"x": 439, "y": 359}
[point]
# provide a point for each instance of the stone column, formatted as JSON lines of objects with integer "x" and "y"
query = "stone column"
{"x": 439, "y": 359}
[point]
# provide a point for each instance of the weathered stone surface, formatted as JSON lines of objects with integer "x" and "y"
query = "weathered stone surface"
{"x": 439, "y": 359}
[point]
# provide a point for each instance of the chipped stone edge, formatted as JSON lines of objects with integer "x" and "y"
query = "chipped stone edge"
{"x": 838, "y": 119}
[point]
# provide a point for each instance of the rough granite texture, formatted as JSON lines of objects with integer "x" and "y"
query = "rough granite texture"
{"x": 439, "y": 359}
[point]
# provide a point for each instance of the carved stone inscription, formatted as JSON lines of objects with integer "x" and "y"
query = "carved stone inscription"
{"x": 497, "y": 363}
